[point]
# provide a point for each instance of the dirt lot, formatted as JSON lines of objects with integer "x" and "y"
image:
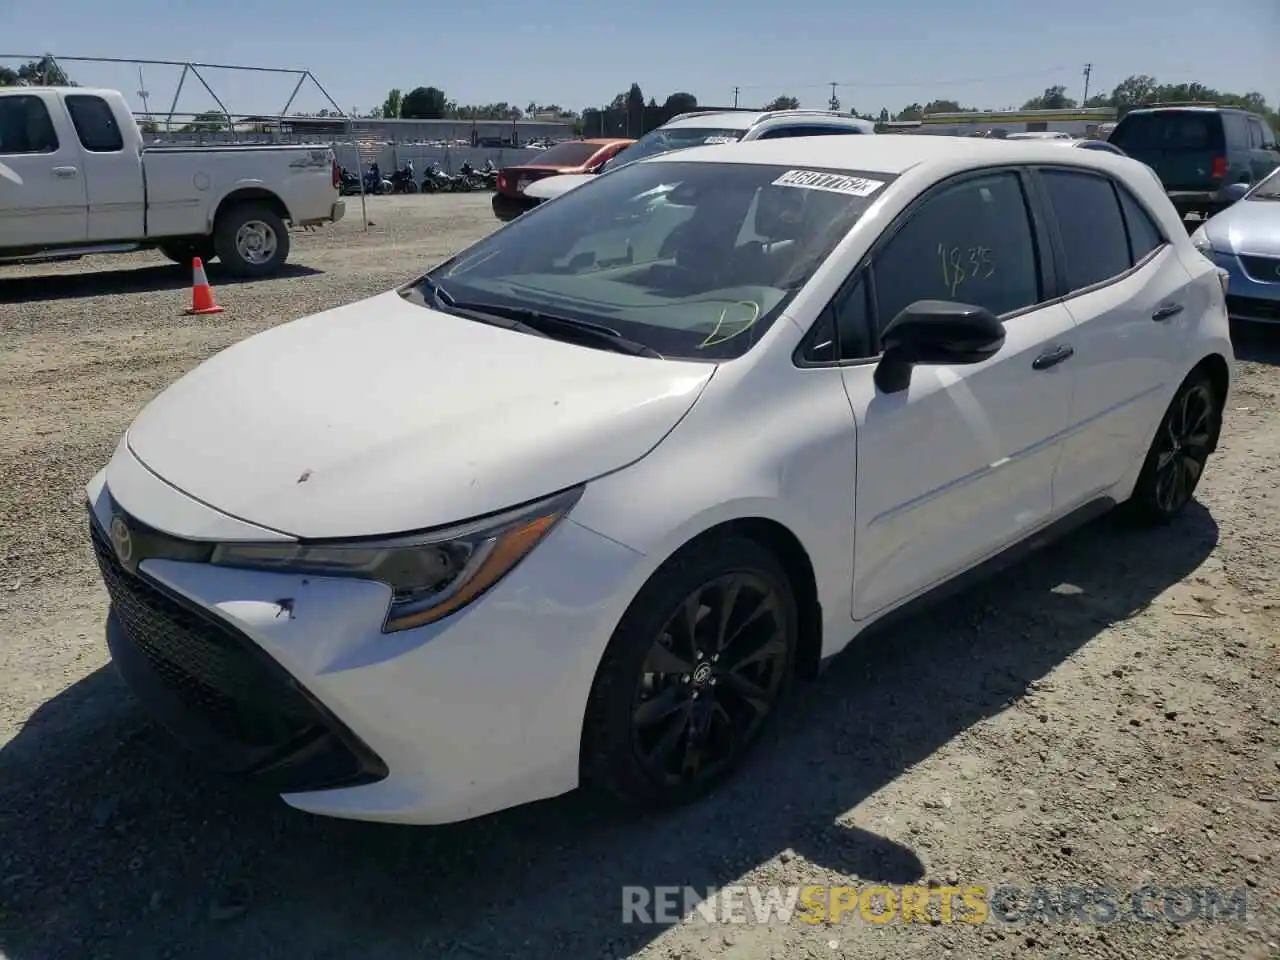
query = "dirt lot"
{"x": 1106, "y": 715}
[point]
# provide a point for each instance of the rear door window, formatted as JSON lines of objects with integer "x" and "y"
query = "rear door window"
{"x": 95, "y": 124}
{"x": 1095, "y": 246}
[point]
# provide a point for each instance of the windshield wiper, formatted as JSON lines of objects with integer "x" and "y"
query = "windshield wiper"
{"x": 548, "y": 324}
{"x": 431, "y": 293}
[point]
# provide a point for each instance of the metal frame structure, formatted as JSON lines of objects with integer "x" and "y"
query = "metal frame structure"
{"x": 193, "y": 68}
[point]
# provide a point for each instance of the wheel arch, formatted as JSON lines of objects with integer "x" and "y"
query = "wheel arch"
{"x": 250, "y": 193}
{"x": 786, "y": 546}
{"x": 1218, "y": 370}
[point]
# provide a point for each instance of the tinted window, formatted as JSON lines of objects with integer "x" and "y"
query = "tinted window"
{"x": 666, "y": 139}
{"x": 812, "y": 130}
{"x": 1144, "y": 235}
{"x": 853, "y": 322}
{"x": 1256, "y": 138}
{"x": 95, "y": 124}
{"x": 1169, "y": 130}
{"x": 969, "y": 243}
{"x": 25, "y": 126}
{"x": 658, "y": 251}
{"x": 574, "y": 153}
{"x": 1093, "y": 238}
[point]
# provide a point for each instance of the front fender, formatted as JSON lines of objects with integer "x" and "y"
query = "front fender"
{"x": 745, "y": 451}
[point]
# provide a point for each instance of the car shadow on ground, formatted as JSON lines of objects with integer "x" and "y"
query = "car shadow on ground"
{"x": 113, "y": 843}
{"x": 65, "y": 286}
{"x": 1256, "y": 342}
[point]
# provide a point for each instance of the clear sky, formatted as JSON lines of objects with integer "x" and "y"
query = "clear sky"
{"x": 993, "y": 53}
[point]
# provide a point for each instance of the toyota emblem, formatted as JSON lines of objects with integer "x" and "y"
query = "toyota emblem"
{"x": 122, "y": 540}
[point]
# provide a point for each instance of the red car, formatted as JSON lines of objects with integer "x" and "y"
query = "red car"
{"x": 572, "y": 156}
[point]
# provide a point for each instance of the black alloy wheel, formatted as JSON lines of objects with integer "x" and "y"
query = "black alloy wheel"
{"x": 1176, "y": 459}
{"x": 693, "y": 674}
{"x": 1183, "y": 447}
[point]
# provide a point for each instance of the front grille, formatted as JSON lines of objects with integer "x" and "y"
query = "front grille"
{"x": 1263, "y": 269}
{"x": 1253, "y": 308}
{"x": 259, "y": 713}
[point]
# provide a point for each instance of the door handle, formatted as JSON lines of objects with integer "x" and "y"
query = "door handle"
{"x": 66, "y": 173}
{"x": 1166, "y": 312}
{"x": 1052, "y": 357}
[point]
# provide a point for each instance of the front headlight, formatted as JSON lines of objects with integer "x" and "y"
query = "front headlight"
{"x": 1200, "y": 240}
{"x": 431, "y": 574}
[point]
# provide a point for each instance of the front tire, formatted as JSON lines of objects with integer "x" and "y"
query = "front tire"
{"x": 691, "y": 676}
{"x": 1175, "y": 462}
{"x": 251, "y": 240}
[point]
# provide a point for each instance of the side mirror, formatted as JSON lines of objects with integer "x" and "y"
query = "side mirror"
{"x": 1235, "y": 191}
{"x": 935, "y": 332}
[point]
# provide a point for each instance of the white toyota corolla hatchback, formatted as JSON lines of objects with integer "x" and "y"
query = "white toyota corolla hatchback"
{"x": 577, "y": 505}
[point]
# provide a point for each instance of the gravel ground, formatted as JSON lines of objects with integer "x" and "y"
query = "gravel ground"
{"x": 1105, "y": 715}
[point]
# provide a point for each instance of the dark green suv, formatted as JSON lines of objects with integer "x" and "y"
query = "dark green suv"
{"x": 1197, "y": 151}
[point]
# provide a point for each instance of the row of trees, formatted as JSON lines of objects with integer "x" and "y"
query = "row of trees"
{"x": 431, "y": 103}
{"x": 631, "y": 114}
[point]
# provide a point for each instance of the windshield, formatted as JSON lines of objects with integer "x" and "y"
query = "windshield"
{"x": 664, "y": 140}
{"x": 1268, "y": 188}
{"x": 1172, "y": 130}
{"x": 692, "y": 260}
{"x": 572, "y": 153}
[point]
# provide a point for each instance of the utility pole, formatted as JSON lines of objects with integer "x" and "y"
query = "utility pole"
{"x": 143, "y": 94}
{"x": 736, "y": 91}
{"x": 1088, "y": 69}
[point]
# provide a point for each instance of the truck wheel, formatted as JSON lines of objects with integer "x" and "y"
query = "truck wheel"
{"x": 184, "y": 251}
{"x": 251, "y": 240}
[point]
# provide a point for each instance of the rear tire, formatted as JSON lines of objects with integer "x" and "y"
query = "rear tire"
{"x": 1175, "y": 461}
{"x": 251, "y": 240}
{"x": 691, "y": 676}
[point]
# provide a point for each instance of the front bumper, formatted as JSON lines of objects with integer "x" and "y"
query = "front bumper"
{"x": 291, "y": 679}
{"x": 1250, "y": 296}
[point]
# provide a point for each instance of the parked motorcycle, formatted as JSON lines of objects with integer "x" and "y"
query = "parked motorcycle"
{"x": 349, "y": 183}
{"x": 375, "y": 183}
{"x": 402, "y": 182}
{"x": 483, "y": 179}
{"x": 437, "y": 181}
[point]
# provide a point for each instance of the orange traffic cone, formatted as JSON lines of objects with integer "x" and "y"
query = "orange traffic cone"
{"x": 201, "y": 293}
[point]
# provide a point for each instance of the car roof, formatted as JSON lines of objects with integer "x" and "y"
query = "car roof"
{"x": 1188, "y": 108}
{"x": 892, "y": 153}
{"x": 606, "y": 141}
{"x": 746, "y": 119}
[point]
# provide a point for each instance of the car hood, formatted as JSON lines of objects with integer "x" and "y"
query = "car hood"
{"x": 384, "y": 416}
{"x": 1248, "y": 227}
{"x": 552, "y": 187}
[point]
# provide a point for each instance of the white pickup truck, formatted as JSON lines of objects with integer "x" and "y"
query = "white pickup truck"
{"x": 76, "y": 179}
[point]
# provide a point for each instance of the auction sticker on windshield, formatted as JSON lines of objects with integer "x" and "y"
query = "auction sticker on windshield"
{"x": 831, "y": 182}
